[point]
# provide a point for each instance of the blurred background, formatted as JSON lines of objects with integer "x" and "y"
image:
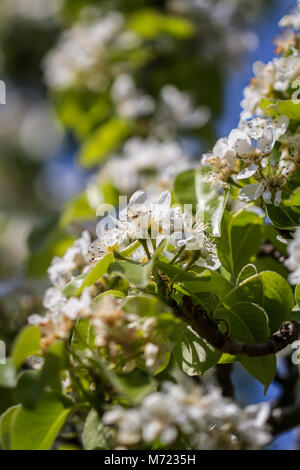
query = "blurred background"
{"x": 83, "y": 79}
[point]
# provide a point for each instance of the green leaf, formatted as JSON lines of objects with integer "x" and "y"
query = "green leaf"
{"x": 288, "y": 108}
{"x": 282, "y": 217}
{"x": 26, "y": 344}
{"x": 211, "y": 204}
{"x": 248, "y": 323}
{"x": 96, "y": 436}
{"x": 83, "y": 335}
{"x": 77, "y": 209}
{"x": 76, "y": 286}
{"x": 145, "y": 305}
{"x": 134, "y": 273}
{"x": 227, "y": 359}
{"x": 103, "y": 141}
{"x": 268, "y": 263}
{"x": 294, "y": 200}
{"x": 55, "y": 362}
{"x": 184, "y": 188}
{"x": 192, "y": 353}
{"x": 208, "y": 281}
{"x": 247, "y": 271}
{"x": 136, "y": 385}
{"x": 270, "y": 291}
{"x": 8, "y": 374}
{"x": 240, "y": 241}
{"x": 28, "y": 388}
{"x": 37, "y": 429}
{"x": 149, "y": 23}
{"x": 46, "y": 240}
{"x": 115, "y": 293}
{"x": 5, "y": 426}
{"x": 278, "y": 298}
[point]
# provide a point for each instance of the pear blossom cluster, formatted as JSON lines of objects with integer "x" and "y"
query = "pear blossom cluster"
{"x": 248, "y": 151}
{"x": 83, "y": 51}
{"x": 147, "y": 219}
{"x": 292, "y": 20}
{"x": 203, "y": 420}
{"x": 113, "y": 327}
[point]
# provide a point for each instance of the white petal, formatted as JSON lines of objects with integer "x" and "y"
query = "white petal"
{"x": 267, "y": 196}
{"x": 139, "y": 197}
{"x": 281, "y": 126}
{"x": 251, "y": 192}
{"x": 267, "y": 140}
{"x": 239, "y": 141}
{"x": 247, "y": 172}
{"x": 277, "y": 200}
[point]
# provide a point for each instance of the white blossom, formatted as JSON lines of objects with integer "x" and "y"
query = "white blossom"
{"x": 82, "y": 51}
{"x": 207, "y": 420}
{"x": 149, "y": 163}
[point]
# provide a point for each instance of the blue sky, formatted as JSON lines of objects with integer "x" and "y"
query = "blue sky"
{"x": 266, "y": 29}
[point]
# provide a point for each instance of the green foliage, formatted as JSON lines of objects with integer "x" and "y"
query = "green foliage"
{"x": 26, "y": 344}
{"x": 36, "y": 429}
{"x": 240, "y": 241}
{"x": 248, "y": 323}
{"x": 283, "y": 218}
{"x": 270, "y": 291}
{"x": 149, "y": 23}
{"x": 95, "y": 435}
{"x": 135, "y": 273}
{"x": 193, "y": 354}
{"x": 184, "y": 188}
{"x": 104, "y": 140}
{"x": 76, "y": 286}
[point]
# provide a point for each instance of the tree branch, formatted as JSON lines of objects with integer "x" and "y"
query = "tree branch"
{"x": 283, "y": 419}
{"x": 208, "y": 329}
{"x": 223, "y": 373}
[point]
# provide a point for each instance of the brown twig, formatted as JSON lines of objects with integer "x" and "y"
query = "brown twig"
{"x": 208, "y": 329}
{"x": 223, "y": 373}
{"x": 283, "y": 419}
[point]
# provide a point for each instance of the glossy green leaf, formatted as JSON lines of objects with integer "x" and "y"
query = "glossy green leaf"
{"x": 76, "y": 286}
{"x": 26, "y": 344}
{"x": 282, "y": 217}
{"x": 270, "y": 291}
{"x": 248, "y": 323}
{"x": 184, "y": 188}
{"x": 247, "y": 271}
{"x": 240, "y": 241}
{"x": 36, "y": 429}
{"x": 192, "y": 353}
{"x": 28, "y": 388}
{"x": 5, "y": 426}
{"x": 134, "y": 273}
